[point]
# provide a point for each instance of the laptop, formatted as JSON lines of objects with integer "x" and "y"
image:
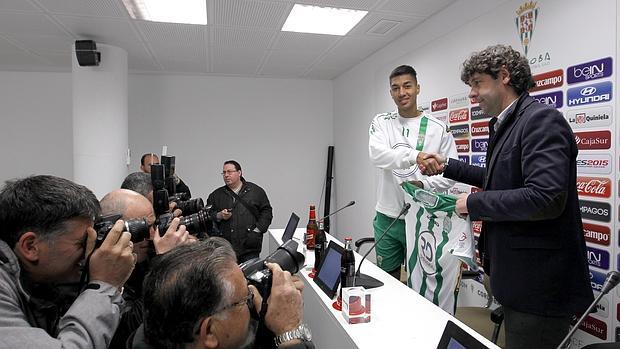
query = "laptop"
{"x": 291, "y": 226}
{"x": 454, "y": 337}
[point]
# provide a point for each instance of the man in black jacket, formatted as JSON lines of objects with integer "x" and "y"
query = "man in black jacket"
{"x": 532, "y": 242}
{"x": 242, "y": 212}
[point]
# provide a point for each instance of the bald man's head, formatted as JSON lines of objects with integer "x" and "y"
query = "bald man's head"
{"x": 130, "y": 205}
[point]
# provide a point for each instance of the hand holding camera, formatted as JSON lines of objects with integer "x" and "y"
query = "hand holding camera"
{"x": 285, "y": 310}
{"x": 114, "y": 260}
{"x": 176, "y": 234}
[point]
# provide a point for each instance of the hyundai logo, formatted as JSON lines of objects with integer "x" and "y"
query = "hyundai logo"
{"x": 587, "y": 91}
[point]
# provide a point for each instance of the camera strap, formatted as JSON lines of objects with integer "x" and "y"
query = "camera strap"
{"x": 249, "y": 207}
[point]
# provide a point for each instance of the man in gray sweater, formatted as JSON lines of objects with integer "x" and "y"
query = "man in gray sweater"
{"x": 46, "y": 230}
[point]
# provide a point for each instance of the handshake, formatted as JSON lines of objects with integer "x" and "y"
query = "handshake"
{"x": 431, "y": 164}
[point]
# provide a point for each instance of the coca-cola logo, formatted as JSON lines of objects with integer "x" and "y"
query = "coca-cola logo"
{"x": 439, "y": 104}
{"x": 459, "y": 115}
{"x": 479, "y": 128}
{"x": 597, "y": 234}
{"x": 462, "y": 145}
{"x": 594, "y": 187}
{"x": 476, "y": 226}
{"x": 593, "y": 140}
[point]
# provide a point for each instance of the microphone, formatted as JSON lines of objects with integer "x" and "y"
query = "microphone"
{"x": 368, "y": 281}
{"x": 611, "y": 281}
{"x": 351, "y": 203}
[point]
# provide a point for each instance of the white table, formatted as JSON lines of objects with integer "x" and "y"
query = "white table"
{"x": 401, "y": 318}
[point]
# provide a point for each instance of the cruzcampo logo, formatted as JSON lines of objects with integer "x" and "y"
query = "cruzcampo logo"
{"x": 526, "y": 22}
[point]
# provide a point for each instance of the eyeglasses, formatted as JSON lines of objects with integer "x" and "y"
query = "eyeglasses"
{"x": 247, "y": 300}
{"x": 229, "y": 172}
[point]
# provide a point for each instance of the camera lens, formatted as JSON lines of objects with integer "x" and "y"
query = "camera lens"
{"x": 139, "y": 229}
{"x": 191, "y": 206}
{"x": 196, "y": 223}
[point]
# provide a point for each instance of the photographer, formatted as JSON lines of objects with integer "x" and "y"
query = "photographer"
{"x": 196, "y": 296}
{"x": 46, "y": 232}
{"x": 132, "y": 205}
{"x": 140, "y": 182}
{"x": 243, "y": 212}
{"x": 149, "y": 159}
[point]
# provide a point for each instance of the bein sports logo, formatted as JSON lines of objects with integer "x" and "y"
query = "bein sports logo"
{"x": 597, "y": 258}
{"x": 593, "y": 70}
{"x": 595, "y": 93}
{"x": 553, "y": 99}
{"x": 479, "y": 145}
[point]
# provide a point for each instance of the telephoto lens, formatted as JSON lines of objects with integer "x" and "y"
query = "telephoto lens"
{"x": 191, "y": 206}
{"x": 139, "y": 228}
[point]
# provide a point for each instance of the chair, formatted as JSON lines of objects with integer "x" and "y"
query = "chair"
{"x": 475, "y": 317}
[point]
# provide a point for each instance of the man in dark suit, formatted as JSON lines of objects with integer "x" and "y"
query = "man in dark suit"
{"x": 532, "y": 242}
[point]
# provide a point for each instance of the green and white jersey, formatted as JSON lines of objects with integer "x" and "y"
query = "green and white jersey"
{"x": 437, "y": 241}
{"x": 394, "y": 143}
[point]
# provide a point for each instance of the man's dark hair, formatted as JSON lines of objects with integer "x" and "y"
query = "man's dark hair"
{"x": 492, "y": 59}
{"x": 234, "y": 163}
{"x": 144, "y": 157}
{"x": 139, "y": 182}
{"x": 184, "y": 286}
{"x": 43, "y": 204}
{"x": 404, "y": 70}
{"x": 237, "y": 166}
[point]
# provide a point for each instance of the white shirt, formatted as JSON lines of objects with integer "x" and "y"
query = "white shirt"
{"x": 392, "y": 149}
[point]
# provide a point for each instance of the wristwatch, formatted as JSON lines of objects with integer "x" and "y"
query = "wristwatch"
{"x": 301, "y": 332}
{"x": 445, "y": 164}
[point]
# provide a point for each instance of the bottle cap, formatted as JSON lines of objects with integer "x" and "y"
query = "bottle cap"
{"x": 348, "y": 238}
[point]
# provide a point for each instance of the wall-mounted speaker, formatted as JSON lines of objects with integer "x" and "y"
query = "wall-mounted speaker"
{"x": 86, "y": 53}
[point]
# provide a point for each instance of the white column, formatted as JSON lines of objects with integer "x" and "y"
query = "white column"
{"x": 100, "y": 135}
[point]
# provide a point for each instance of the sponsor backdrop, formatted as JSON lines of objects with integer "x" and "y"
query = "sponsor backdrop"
{"x": 578, "y": 80}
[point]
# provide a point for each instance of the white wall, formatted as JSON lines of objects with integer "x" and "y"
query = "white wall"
{"x": 278, "y": 129}
{"x": 437, "y": 49}
{"x": 363, "y": 91}
{"x": 35, "y": 124}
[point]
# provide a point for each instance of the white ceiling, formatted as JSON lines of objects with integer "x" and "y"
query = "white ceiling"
{"x": 243, "y": 37}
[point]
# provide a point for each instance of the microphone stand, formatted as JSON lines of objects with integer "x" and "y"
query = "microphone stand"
{"x": 351, "y": 203}
{"x": 368, "y": 281}
{"x": 612, "y": 279}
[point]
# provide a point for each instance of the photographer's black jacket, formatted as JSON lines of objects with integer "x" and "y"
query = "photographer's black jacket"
{"x": 239, "y": 229}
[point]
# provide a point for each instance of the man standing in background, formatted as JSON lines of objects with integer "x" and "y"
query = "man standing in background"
{"x": 396, "y": 143}
{"x": 243, "y": 212}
